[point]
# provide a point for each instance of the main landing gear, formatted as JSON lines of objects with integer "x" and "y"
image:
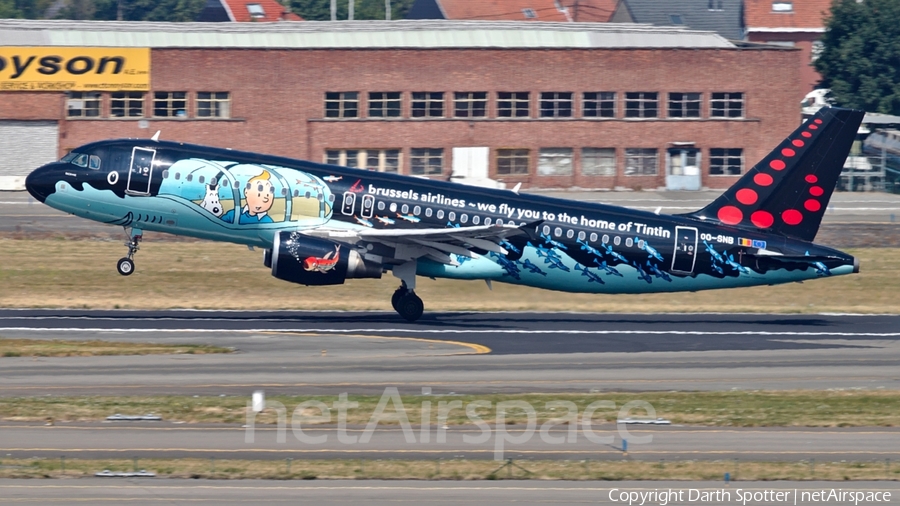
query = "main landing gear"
{"x": 407, "y": 304}
{"x": 405, "y": 301}
{"x": 125, "y": 266}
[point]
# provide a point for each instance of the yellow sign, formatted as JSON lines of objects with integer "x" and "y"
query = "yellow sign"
{"x": 74, "y": 69}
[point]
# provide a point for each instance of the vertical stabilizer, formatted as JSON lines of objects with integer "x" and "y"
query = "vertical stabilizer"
{"x": 788, "y": 191}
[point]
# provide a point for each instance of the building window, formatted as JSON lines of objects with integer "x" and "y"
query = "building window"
{"x": 715, "y": 5}
{"x": 598, "y": 161}
{"x": 782, "y": 6}
{"x": 512, "y": 104}
{"x": 170, "y": 104}
{"x": 555, "y": 162}
{"x": 512, "y": 161}
{"x": 384, "y": 104}
{"x": 426, "y": 161}
{"x": 213, "y": 104}
{"x": 816, "y": 50}
{"x": 345, "y": 157}
{"x": 529, "y": 13}
{"x": 428, "y": 104}
{"x": 641, "y": 161}
{"x": 256, "y": 11}
{"x": 684, "y": 105}
{"x": 383, "y": 160}
{"x": 599, "y": 104}
{"x": 341, "y": 104}
{"x": 641, "y": 104}
{"x": 726, "y": 161}
{"x": 83, "y": 104}
{"x": 469, "y": 104}
{"x": 727, "y": 105}
{"x": 126, "y": 104}
{"x": 555, "y": 104}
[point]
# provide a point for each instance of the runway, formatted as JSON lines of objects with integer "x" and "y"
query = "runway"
{"x": 599, "y": 442}
{"x": 380, "y": 492}
{"x": 334, "y": 352}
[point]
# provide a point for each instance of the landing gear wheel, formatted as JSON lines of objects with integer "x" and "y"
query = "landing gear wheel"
{"x": 125, "y": 266}
{"x": 410, "y": 306}
{"x": 398, "y": 293}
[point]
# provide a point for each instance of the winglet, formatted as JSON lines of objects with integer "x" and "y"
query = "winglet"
{"x": 516, "y": 187}
{"x": 155, "y": 137}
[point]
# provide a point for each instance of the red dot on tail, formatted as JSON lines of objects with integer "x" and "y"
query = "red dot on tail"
{"x": 788, "y": 152}
{"x": 818, "y": 121}
{"x": 806, "y": 134}
{"x": 762, "y": 219}
{"x": 730, "y": 215}
{"x": 792, "y": 217}
{"x": 813, "y": 127}
{"x": 811, "y": 178}
{"x": 798, "y": 143}
{"x": 816, "y": 191}
{"x": 777, "y": 164}
{"x": 747, "y": 196}
{"x": 762, "y": 179}
{"x": 812, "y": 205}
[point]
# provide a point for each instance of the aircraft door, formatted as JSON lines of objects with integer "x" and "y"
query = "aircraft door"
{"x": 348, "y": 206}
{"x": 685, "y": 250}
{"x": 140, "y": 171}
{"x": 368, "y": 206}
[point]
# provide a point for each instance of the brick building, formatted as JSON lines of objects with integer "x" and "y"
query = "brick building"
{"x": 548, "y": 105}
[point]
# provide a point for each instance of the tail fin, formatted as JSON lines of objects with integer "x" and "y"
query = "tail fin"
{"x": 788, "y": 191}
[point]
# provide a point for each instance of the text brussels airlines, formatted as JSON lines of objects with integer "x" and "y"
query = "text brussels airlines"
{"x": 747, "y": 497}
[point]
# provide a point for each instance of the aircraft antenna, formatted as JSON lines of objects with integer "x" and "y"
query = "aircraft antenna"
{"x": 516, "y": 188}
{"x": 155, "y": 137}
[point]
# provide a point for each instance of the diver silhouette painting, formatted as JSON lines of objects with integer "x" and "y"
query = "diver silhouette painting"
{"x": 259, "y": 195}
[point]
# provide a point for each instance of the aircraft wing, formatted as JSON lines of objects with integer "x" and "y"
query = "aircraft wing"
{"x": 434, "y": 243}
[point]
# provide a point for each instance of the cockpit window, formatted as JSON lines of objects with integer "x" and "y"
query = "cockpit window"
{"x": 94, "y": 162}
{"x": 69, "y": 157}
{"x": 81, "y": 160}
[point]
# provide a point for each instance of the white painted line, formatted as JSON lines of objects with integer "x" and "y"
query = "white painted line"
{"x": 475, "y": 331}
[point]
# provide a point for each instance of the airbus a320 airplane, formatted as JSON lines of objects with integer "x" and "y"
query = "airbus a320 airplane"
{"x": 324, "y": 224}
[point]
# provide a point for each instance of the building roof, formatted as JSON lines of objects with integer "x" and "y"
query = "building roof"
{"x": 245, "y": 10}
{"x": 796, "y": 15}
{"x": 515, "y": 10}
{"x": 724, "y": 17}
{"x": 416, "y": 34}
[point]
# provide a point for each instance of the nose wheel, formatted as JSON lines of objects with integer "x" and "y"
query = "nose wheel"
{"x": 125, "y": 266}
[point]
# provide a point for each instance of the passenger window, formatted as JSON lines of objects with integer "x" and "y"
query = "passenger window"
{"x": 570, "y": 233}
{"x": 463, "y": 218}
{"x": 499, "y": 221}
{"x": 440, "y": 214}
{"x": 381, "y": 205}
{"x": 393, "y": 207}
{"x": 476, "y": 220}
{"x": 557, "y": 232}
{"x": 417, "y": 210}
{"x": 236, "y": 184}
{"x": 296, "y": 193}
{"x": 284, "y": 192}
{"x": 605, "y": 239}
{"x": 641, "y": 244}
{"x": 617, "y": 240}
{"x": 330, "y": 198}
{"x": 178, "y": 176}
{"x": 166, "y": 174}
{"x": 593, "y": 237}
{"x": 546, "y": 230}
{"x": 308, "y": 194}
{"x": 404, "y": 209}
{"x": 190, "y": 177}
{"x": 368, "y": 206}
{"x": 349, "y": 203}
{"x": 629, "y": 242}
{"x": 487, "y": 221}
{"x": 581, "y": 235}
{"x": 201, "y": 179}
{"x": 451, "y": 216}
{"x": 94, "y": 162}
{"x": 428, "y": 212}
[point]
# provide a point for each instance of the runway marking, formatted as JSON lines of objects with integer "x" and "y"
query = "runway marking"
{"x": 460, "y": 450}
{"x": 477, "y": 349}
{"x": 459, "y": 331}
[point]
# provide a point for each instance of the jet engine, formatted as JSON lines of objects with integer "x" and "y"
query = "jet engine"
{"x": 309, "y": 260}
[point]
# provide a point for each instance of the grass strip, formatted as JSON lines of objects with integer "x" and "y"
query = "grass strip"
{"x": 206, "y": 275}
{"x": 72, "y": 348}
{"x": 454, "y": 469}
{"x": 726, "y": 409}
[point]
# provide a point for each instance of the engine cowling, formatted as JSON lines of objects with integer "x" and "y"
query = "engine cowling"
{"x": 308, "y": 260}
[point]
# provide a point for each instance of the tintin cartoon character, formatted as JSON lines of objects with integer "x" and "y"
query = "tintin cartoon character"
{"x": 259, "y": 196}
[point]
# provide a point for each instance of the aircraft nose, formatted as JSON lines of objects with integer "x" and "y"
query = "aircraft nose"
{"x": 42, "y": 181}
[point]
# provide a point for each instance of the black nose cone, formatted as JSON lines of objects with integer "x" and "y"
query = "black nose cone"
{"x": 42, "y": 181}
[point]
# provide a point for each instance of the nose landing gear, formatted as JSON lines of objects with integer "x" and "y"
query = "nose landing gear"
{"x": 125, "y": 266}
